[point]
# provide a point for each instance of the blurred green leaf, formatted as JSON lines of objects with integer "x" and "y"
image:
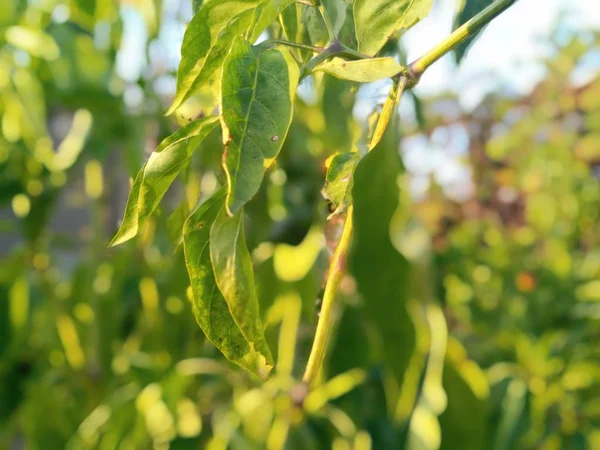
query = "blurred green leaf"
{"x": 381, "y": 272}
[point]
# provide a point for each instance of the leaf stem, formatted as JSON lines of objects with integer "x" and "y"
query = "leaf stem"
{"x": 458, "y": 36}
{"x": 309, "y": 48}
{"x": 334, "y": 278}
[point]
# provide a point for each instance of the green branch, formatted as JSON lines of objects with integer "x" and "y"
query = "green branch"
{"x": 334, "y": 278}
{"x": 458, "y": 36}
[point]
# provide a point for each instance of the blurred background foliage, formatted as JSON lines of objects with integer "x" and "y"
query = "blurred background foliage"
{"x": 99, "y": 348}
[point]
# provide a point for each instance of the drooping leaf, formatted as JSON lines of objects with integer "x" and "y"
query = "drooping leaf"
{"x": 338, "y": 182}
{"x": 258, "y": 90}
{"x": 209, "y": 35}
{"x": 234, "y": 276}
{"x": 362, "y": 71}
{"x": 209, "y": 305}
{"x": 470, "y": 8}
{"x": 376, "y": 21}
{"x": 381, "y": 272}
{"x": 153, "y": 180}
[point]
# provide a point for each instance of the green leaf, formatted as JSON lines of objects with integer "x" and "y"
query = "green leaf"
{"x": 315, "y": 27}
{"x": 338, "y": 182}
{"x": 153, "y": 180}
{"x": 337, "y": 13}
{"x": 196, "y": 4}
{"x": 467, "y": 412}
{"x": 470, "y": 8}
{"x": 362, "y": 71}
{"x": 291, "y": 24}
{"x": 234, "y": 277}
{"x": 209, "y": 35}
{"x": 258, "y": 90}
{"x": 376, "y": 21}
{"x": 265, "y": 14}
{"x": 210, "y": 307}
{"x": 381, "y": 272}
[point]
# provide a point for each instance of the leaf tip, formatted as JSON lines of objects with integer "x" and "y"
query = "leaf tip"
{"x": 123, "y": 235}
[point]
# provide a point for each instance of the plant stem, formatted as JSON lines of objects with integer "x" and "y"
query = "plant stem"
{"x": 334, "y": 278}
{"x": 310, "y": 48}
{"x": 458, "y": 36}
{"x": 392, "y": 101}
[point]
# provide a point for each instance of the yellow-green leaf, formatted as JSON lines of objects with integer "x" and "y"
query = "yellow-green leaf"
{"x": 234, "y": 276}
{"x": 362, "y": 71}
{"x": 209, "y": 35}
{"x": 376, "y": 21}
{"x": 210, "y": 308}
{"x": 258, "y": 89}
{"x": 153, "y": 180}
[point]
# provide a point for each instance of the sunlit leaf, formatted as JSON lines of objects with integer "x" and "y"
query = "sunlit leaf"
{"x": 376, "y": 21}
{"x": 338, "y": 182}
{"x": 153, "y": 180}
{"x": 362, "y": 71}
{"x": 234, "y": 276}
{"x": 209, "y": 36}
{"x": 206, "y": 42}
{"x": 258, "y": 90}
{"x": 34, "y": 41}
{"x": 210, "y": 308}
{"x": 266, "y": 12}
